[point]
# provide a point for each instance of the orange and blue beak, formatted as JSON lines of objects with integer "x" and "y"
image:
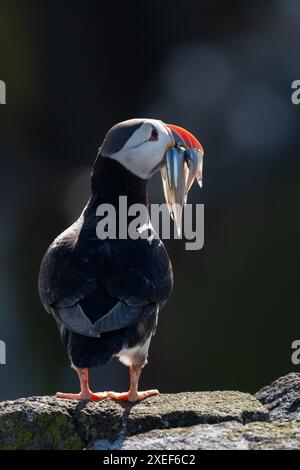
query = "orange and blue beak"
{"x": 183, "y": 164}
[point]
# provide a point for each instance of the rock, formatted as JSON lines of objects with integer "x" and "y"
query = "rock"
{"x": 200, "y": 420}
{"x": 227, "y": 436}
{"x": 282, "y": 398}
{"x": 52, "y": 423}
{"x": 37, "y": 423}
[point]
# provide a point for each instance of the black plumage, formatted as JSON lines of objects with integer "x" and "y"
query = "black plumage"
{"x": 105, "y": 294}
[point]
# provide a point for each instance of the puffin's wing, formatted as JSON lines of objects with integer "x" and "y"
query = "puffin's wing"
{"x": 120, "y": 316}
{"x": 68, "y": 290}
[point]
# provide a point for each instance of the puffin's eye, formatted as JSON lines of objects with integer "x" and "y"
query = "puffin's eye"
{"x": 154, "y": 134}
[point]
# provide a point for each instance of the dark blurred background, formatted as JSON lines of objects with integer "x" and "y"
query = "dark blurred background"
{"x": 223, "y": 70}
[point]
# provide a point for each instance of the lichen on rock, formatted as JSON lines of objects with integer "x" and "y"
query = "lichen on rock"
{"x": 195, "y": 420}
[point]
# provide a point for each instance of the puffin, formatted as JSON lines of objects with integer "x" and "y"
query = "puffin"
{"x": 105, "y": 293}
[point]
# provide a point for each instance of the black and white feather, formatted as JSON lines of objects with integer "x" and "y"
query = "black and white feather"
{"x": 105, "y": 295}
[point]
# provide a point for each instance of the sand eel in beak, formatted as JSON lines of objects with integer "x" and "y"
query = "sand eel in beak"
{"x": 183, "y": 164}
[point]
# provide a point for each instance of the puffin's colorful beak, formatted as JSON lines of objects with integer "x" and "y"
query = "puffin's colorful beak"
{"x": 183, "y": 163}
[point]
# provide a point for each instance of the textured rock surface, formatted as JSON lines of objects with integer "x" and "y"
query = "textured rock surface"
{"x": 203, "y": 420}
{"x": 227, "y": 436}
{"x": 52, "y": 423}
{"x": 282, "y": 398}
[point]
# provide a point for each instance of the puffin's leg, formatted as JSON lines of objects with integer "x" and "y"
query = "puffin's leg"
{"x": 133, "y": 394}
{"x": 85, "y": 391}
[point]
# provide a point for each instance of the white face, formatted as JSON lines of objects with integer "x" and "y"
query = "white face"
{"x": 145, "y": 149}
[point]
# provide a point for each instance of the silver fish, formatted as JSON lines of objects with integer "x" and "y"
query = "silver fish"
{"x": 178, "y": 173}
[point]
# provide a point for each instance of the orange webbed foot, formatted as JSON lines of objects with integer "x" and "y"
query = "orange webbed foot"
{"x": 132, "y": 397}
{"x": 83, "y": 396}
